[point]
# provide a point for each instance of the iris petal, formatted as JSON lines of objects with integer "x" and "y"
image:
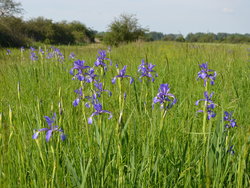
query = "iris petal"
{"x": 48, "y": 135}
{"x": 35, "y": 135}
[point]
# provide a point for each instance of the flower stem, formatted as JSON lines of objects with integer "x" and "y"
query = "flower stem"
{"x": 40, "y": 151}
{"x": 205, "y": 116}
{"x": 163, "y": 115}
{"x": 208, "y": 170}
{"x": 119, "y": 145}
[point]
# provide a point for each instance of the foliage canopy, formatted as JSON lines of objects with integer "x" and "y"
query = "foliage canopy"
{"x": 10, "y": 8}
{"x": 124, "y": 29}
{"x": 16, "y": 32}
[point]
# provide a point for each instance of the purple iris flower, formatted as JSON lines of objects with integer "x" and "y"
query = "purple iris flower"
{"x": 99, "y": 87}
{"x": 87, "y": 105}
{"x": 50, "y": 55}
{"x": 146, "y": 69}
{"x": 98, "y": 110}
{"x": 228, "y": 118}
{"x": 41, "y": 51}
{"x": 8, "y": 52}
{"x": 101, "y": 58}
{"x": 58, "y": 54}
{"x": 57, "y": 51}
{"x": 80, "y": 96}
{"x": 72, "y": 55}
{"x": 33, "y": 56}
{"x": 90, "y": 76}
{"x": 166, "y": 99}
{"x": 207, "y": 98}
{"x": 32, "y": 49}
{"x": 209, "y": 105}
{"x": 92, "y": 100}
{"x": 79, "y": 66}
{"x": 49, "y": 131}
{"x": 122, "y": 75}
{"x": 210, "y": 113}
{"x": 206, "y": 74}
{"x": 49, "y": 120}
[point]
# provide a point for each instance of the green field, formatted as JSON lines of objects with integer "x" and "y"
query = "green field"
{"x": 138, "y": 146}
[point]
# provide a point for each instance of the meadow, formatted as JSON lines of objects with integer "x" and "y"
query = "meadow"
{"x": 149, "y": 141}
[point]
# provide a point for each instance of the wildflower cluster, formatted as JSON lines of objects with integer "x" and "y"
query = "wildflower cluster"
{"x": 230, "y": 122}
{"x": 208, "y": 109}
{"x": 50, "y": 53}
{"x": 33, "y": 55}
{"x": 55, "y": 53}
{"x": 92, "y": 87}
{"x": 209, "y": 105}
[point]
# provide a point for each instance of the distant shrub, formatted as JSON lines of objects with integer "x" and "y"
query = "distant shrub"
{"x": 123, "y": 30}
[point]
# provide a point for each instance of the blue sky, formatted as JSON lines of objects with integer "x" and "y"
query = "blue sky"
{"x": 167, "y": 16}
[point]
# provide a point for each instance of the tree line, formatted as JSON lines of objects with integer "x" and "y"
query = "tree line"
{"x": 16, "y": 32}
{"x": 209, "y": 37}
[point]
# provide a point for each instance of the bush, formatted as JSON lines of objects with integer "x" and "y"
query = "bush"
{"x": 123, "y": 30}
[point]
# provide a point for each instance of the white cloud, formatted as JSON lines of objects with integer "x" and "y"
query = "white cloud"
{"x": 228, "y": 10}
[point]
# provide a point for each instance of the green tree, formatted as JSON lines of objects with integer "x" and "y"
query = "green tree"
{"x": 40, "y": 29}
{"x": 170, "y": 37}
{"x": 180, "y": 38}
{"x": 123, "y": 30}
{"x": 61, "y": 34}
{"x": 10, "y": 8}
{"x": 81, "y": 33}
{"x": 207, "y": 37}
{"x": 153, "y": 35}
{"x": 174, "y": 37}
{"x": 11, "y": 32}
{"x": 221, "y": 37}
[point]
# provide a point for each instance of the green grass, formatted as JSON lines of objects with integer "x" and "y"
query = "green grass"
{"x": 138, "y": 153}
